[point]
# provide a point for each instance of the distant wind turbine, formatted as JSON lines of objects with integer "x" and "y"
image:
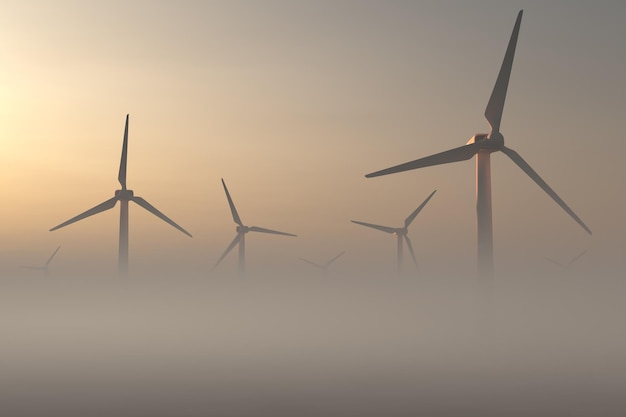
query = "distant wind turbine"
{"x": 44, "y": 268}
{"x": 123, "y": 196}
{"x": 402, "y": 233}
{"x": 482, "y": 145}
{"x": 240, "y": 238}
{"x": 324, "y": 267}
{"x": 566, "y": 266}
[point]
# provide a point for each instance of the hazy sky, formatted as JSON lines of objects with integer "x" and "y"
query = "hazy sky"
{"x": 292, "y": 103}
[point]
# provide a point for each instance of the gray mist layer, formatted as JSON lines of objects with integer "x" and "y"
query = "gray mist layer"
{"x": 313, "y": 344}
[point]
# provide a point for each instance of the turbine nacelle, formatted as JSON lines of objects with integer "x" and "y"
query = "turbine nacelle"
{"x": 493, "y": 141}
{"x": 124, "y": 195}
{"x": 243, "y": 229}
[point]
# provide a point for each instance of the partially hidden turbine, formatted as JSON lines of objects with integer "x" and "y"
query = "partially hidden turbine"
{"x": 482, "y": 145}
{"x": 402, "y": 233}
{"x": 324, "y": 267}
{"x": 45, "y": 266}
{"x": 123, "y": 196}
{"x": 240, "y": 238}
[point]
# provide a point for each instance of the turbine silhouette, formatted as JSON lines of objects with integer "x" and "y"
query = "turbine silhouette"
{"x": 566, "y": 266}
{"x": 401, "y": 232}
{"x": 482, "y": 145}
{"x": 45, "y": 266}
{"x": 324, "y": 267}
{"x": 240, "y": 238}
{"x": 123, "y": 196}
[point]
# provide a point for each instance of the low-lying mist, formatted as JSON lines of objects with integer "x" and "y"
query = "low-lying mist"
{"x": 313, "y": 345}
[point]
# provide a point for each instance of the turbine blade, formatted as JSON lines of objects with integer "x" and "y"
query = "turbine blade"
{"x": 233, "y": 210}
{"x": 274, "y": 232}
{"x": 227, "y": 251}
{"x": 122, "y": 174}
{"x": 109, "y": 204}
{"x": 376, "y": 226}
{"x": 554, "y": 262}
{"x": 52, "y": 256}
{"x": 334, "y": 259}
{"x": 493, "y": 112}
{"x": 408, "y": 243}
{"x": 312, "y": 263}
{"x": 410, "y": 219}
{"x": 143, "y": 203}
{"x": 540, "y": 182}
{"x": 576, "y": 257}
{"x": 461, "y": 153}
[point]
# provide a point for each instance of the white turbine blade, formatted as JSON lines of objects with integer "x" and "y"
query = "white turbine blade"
{"x": 376, "y": 226}
{"x": 312, "y": 263}
{"x": 122, "y": 174}
{"x": 540, "y": 182}
{"x": 143, "y": 203}
{"x": 227, "y": 251}
{"x": 274, "y": 232}
{"x": 408, "y": 243}
{"x": 461, "y": 153}
{"x": 493, "y": 112}
{"x": 554, "y": 262}
{"x": 576, "y": 257}
{"x": 109, "y": 204}
{"x": 334, "y": 259}
{"x": 52, "y": 256}
{"x": 410, "y": 219}
{"x": 233, "y": 210}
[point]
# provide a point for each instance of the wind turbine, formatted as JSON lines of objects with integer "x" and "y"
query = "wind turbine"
{"x": 400, "y": 232}
{"x": 566, "y": 266}
{"x": 44, "y": 268}
{"x": 482, "y": 145}
{"x": 123, "y": 196}
{"x": 323, "y": 267}
{"x": 240, "y": 238}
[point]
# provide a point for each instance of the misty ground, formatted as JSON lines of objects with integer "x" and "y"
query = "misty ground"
{"x": 313, "y": 345}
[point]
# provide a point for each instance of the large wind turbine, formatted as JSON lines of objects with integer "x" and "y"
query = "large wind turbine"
{"x": 241, "y": 235}
{"x": 400, "y": 232}
{"x": 482, "y": 145}
{"x": 44, "y": 267}
{"x": 123, "y": 196}
{"x": 324, "y": 267}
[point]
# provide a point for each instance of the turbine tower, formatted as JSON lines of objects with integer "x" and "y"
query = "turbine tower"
{"x": 240, "y": 238}
{"x": 324, "y": 267}
{"x": 123, "y": 196}
{"x": 400, "y": 232}
{"x": 482, "y": 145}
{"x": 44, "y": 268}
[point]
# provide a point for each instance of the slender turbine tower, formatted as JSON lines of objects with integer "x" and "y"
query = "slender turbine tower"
{"x": 44, "y": 268}
{"x": 324, "y": 267}
{"x": 402, "y": 233}
{"x": 482, "y": 145}
{"x": 123, "y": 196}
{"x": 241, "y": 235}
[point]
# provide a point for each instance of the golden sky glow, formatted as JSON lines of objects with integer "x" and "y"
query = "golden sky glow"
{"x": 292, "y": 103}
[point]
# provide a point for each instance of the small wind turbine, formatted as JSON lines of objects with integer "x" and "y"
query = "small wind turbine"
{"x": 400, "y": 232}
{"x": 566, "y": 266}
{"x": 123, "y": 196}
{"x": 323, "y": 267}
{"x": 241, "y": 235}
{"x": 44, "y": 268}
{"x": 482, "y": 145}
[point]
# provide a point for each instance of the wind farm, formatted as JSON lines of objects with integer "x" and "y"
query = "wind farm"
{"x": 290, "y": 104}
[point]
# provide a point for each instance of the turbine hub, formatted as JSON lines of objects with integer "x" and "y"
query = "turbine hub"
{"x": 242, "y": 229}
{"x": 124, "y": 195}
